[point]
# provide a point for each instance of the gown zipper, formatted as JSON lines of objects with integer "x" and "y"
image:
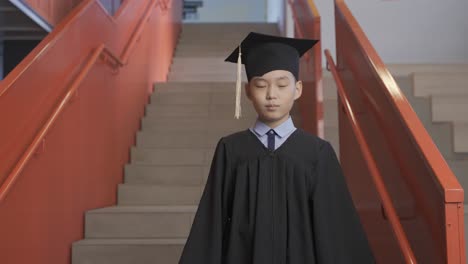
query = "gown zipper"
{"x": 273, "y": 207}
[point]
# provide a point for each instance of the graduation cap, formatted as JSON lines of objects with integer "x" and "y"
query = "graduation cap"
{"x": 262, "y": 53}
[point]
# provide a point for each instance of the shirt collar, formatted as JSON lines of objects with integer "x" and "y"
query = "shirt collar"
{"x": 282, "y": 130}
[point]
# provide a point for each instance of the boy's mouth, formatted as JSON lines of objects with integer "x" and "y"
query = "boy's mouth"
{"x": 271, "y": 106}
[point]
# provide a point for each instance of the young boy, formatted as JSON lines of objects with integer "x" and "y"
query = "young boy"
{"x": 275, "y": 194}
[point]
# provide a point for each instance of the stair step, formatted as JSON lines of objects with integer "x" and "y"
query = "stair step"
{"x": 441, "y": 133}
{"x": 450, "y": 108}
{"x": 198, "y": 98}
{"x": 144, "y": 194}
{"x": 179, "y": 139}
{"x": 195, "y": 46}
{"x": 225, "y": 49}
{"x": 202, "y": 78}
{"x": 443, "y": 136}
{"x": 182, "y": 54}
{"x": 166, "y": 175}
{"x": 228, "y": 125}
{"x": 207, "y": 60}
{"x": 446, "y": 83}
{"x": 177, "y": 87}
{"x": 183, "y": 156}
{"x": 226, "y": 41}
{"x": 127, "y": 251}
{"x": 230, "y": 29}
{"x": 460, "y": 133}
{"x": 205, "y": 71}
{"x": 405, "y": 70}
{"x": 203, "y": 64}
{"x": 213, "y": 111}
{"x": 140, "y": 221}
{"x": 220, "y": 35}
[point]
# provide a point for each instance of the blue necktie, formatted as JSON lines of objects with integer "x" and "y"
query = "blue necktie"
{"x": 271, "y": 140}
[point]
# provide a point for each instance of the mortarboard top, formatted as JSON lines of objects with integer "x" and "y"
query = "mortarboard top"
{"x": 262, "y": 53}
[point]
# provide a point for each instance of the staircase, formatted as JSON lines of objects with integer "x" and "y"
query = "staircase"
{"x": 440, "y": 99}
{"x": 186, "y": 117}
{"x": 171, "y": 160}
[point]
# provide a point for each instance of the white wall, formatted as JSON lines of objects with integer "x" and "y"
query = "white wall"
{"x": 416, "y": 31}
{"x": 274, "y": 10}
{"x": 233, "y": 11}
{"x": 402, "y": 31}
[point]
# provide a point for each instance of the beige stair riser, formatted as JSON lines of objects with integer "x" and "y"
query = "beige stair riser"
{"x": 142, "y": 223}
{"x": 195, "y": 86}
{"x": 221, "y": 125}
{"x": 214, "y": 32}
{"x": 443, "y": 136}
{"x": 460, "y": 131}
{"x": 166, "y": 175}
{"x": 200, "y": 69}
{"x": 218, "y": 49}
{"x": 226, "y": 98}
{"x": 200, "y": 60}
{"x": 450, "y": 108}
{"x": 230, "y": 31}
{"x": 203, "y": 77}
{"x": 126, "y": 252}
{"x": 206, "y": 110}
{"x": 180, "y": 139}
{"x": 181, "y": 157}
{"x": 329, "y": 88}
{"x": 192, "y": 73}
{"x": 448, "y": 83}
{"x": 197, "y": 53}
{"x": 226, "y": 125}
{"x": 145, "y": 194}
{"x": 213, "y": 35}
{"x": 214, "y": 111}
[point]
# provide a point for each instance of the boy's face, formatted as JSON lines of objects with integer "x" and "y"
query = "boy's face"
{"x": 273, "y": 95}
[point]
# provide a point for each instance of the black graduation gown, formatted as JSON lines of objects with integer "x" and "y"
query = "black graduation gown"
{"x": 287, "y": 206}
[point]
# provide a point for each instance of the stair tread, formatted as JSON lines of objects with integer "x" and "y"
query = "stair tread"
{"x": 130, "y": 241}
{"x": 147, "y": 209}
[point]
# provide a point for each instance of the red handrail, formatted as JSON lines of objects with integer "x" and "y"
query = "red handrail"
{"x": 371, "y": 165}
{"x": 419, "y": 177}
{"x": 134, "y": 39}
{"x": 39, "y": 137}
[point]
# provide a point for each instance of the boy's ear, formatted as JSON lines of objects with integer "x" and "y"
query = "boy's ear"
{"x": 247, "y": 90}
{"x": 298, "y": 90}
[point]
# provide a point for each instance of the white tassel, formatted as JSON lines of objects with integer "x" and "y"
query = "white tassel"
{"x": 237, "y": 113}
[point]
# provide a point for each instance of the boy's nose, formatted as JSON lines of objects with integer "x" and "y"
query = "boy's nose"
{"x": 270, "y": 94}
